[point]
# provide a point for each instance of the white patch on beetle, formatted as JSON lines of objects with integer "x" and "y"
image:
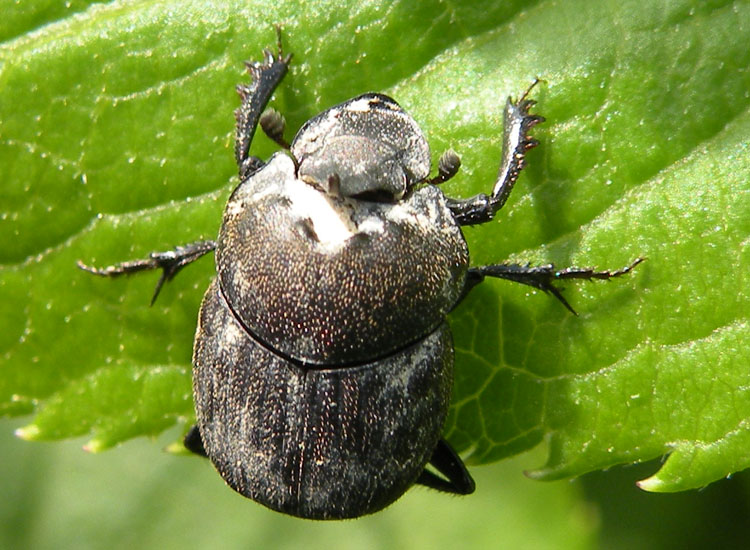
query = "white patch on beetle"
{"x": 409, "y": 213}
{"x": 235, "y": 208}
{"x": 363, "y": 104}
{"x": 371, "y": 224}
{"x": 330, "y": 223}
{"x": 232, "y": 337}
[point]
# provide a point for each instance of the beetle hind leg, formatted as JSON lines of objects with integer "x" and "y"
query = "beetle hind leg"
{"x": 457, "y": 478}
{"x": 193, "y": 442}
{"x": 542, "y": 277}
{"x": 170, "y": 262}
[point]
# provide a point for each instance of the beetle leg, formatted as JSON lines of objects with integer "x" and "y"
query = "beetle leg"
{"x": 266, "y": 76}
{"x": 516, "y": 141}
{"x": 445, "y": 460}
{"x": 170, "y": 262}
{"x": 193, "y": 442}
{"x": 541, "y": 277}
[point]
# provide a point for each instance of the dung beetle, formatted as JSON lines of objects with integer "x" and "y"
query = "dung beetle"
{"x": 323, "y": 363}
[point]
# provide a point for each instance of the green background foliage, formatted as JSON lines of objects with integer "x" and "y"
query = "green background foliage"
{"x": 115, "y": 140}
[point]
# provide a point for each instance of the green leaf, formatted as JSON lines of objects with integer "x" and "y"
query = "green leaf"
{"x": 116, "y": 140}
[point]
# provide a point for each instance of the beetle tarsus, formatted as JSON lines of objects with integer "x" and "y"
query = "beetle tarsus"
{"x": 265, "y": 76}
{"x": 542, "y": 277}
{"x": 518, "y": 121}
{"x": 170, "y": 262}
{"x": 446, "y": 461}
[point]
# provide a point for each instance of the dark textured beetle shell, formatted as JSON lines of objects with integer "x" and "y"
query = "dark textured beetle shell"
{"x": 325, "y": 300}
{"x": 316, "y": 443}
{"x": 322, "y": 366}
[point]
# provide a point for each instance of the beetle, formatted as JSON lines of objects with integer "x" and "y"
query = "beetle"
{"x": 323, "y": 363}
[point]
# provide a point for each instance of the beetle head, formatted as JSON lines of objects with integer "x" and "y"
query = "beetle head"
{"x": 366, "y": 148}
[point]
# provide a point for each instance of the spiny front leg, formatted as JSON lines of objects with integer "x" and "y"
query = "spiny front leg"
{"x": 170, "y": 262}
{"x": 266, "y": 76}
{"x": 516, "y": 142}
{"x": 542, "y": 277}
